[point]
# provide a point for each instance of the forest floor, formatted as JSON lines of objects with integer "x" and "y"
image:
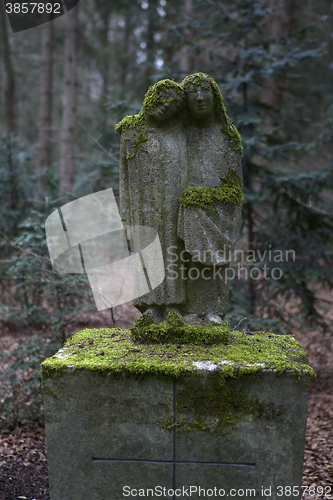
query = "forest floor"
{"x": 23, "y": 459}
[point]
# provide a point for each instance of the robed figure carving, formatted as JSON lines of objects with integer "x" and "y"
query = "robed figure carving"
{"x": 152, "y": 158}
{"x": 181, "y": 174}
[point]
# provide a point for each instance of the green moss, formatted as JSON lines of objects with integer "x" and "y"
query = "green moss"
{"x": 229, "y": 129}
{"x": 212, "y": 404}
{"x": 167, "y": 424}
{"x": 213, "y": 382}
{"x": 154, "y": 95}
{"x": 136, "y": 125}
{"x": 198, "y": 425}
{"x": 245, "y": 355}
{"x": 229, "y": 193}
{"x": 174, "y": 330}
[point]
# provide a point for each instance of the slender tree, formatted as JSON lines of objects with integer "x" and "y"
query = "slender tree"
{"x": 10, "y": 103}
{"x": 45, "y": 102}
{"x": 69, "y": 104}
{"x": 251, "y": 47}
{"x": 279, "y": 25}
{"x": 186, "y": 63}
{"x": 152, "y": 29}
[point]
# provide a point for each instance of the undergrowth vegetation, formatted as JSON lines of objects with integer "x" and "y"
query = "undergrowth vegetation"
{"x": 286, "y": 207}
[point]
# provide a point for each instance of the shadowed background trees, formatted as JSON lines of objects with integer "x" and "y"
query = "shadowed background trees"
{"x": 66, "y": 84}
{"x": 88, "y": 69}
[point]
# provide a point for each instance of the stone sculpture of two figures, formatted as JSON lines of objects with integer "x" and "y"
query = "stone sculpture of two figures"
{"x": 181, "y": 174}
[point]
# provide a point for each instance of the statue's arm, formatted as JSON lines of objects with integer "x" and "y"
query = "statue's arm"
{"x": 233, "y": 159}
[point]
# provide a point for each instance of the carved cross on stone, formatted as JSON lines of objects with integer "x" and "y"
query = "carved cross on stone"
{"x": 170, "y": 468}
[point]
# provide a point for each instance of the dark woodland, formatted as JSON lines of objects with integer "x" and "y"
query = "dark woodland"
{"x": 65, "y": 85}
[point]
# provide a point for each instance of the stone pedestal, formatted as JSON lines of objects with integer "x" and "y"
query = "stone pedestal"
{"x": 152, "y": 424}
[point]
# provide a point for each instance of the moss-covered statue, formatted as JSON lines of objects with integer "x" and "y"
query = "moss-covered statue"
{"x": 181, "y": 174}
{"x": 210, "y": 208}
{"x": 152, "y": 163}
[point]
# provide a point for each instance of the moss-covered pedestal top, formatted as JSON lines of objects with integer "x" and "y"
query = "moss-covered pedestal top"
{"x": 207, "y": 348}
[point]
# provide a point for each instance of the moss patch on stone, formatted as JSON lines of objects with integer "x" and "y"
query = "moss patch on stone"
{"x": 229, "y": 129}
{"x": 176, "y": 331}
{"x": 136, "y": 125}
{"x": 154, "y": 95}
{"x": 112, "y": 351}
{"x": 212, "y": 404}
{"x": 229, "y": 193}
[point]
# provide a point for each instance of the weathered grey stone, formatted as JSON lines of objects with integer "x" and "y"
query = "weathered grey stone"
{"x": 109, "y": 429}
{"x": 209, "y": 236}
{"x": 89, "y": 416}
{"x": 167, "y": 151}
{"x": 275, "y": 445}
{"x": 150, "y": 179}
{"x": 126, "y": 419}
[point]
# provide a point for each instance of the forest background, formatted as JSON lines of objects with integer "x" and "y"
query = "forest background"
{"x": 63, "y": 87}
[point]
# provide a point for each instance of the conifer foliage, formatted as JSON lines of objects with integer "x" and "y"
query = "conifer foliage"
{"x": 272, "y": 60}
{"x": 260, "y": 66}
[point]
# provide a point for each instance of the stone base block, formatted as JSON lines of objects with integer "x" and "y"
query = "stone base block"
{"x": 212, "y": 429}
{"x": 111, "y": 438}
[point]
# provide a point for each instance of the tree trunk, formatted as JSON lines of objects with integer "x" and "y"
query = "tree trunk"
{"x": 45, "y": 102}
{"x": 171, "y": 47}
{"x": 124, "y": 62}
{"x": 279, "y": 25}
{"x": 10, "y": 102}
{"x": 69, "y": 105}
{"x": 186, "y": 63}
{"x": 249, "y": 214}
{"x": 151, "y": 44}
{"x": 105, "y": 75}
{"x": 105, "y": 69}
{"x": 281, "y": 22}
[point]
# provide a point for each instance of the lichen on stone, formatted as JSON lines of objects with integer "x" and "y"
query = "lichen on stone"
{"x": 51, "y": 392}
{"x": 230, "y": 193}
{"x": 135, "y": 125}
{"x": 214, "y": 383}
{"x": 112, "y": 351}
{"x": 229, "y": 128}
{"x": 212, "y": 404}
{"x": 175, "y": 330}
{"x": 154, "y": 95}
